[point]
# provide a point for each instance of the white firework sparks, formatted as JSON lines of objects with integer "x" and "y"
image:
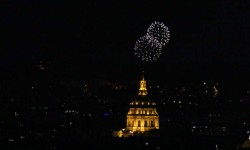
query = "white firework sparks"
{"x": 160, "y": 32}
{"x": 147, "y": 48}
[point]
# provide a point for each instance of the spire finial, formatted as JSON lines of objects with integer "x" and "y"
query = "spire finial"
{"x": 142, "y": 89}
{"x": 142, "y": 74}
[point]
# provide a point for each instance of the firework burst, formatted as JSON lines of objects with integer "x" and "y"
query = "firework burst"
{"x": 147, "y": 48}
{"x": 160, "y": 32}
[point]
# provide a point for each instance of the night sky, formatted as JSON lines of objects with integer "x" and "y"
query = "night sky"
{"x": 95, "y": 40}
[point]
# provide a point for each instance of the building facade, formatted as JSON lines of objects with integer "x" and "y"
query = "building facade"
{"x": 142, "y": 115}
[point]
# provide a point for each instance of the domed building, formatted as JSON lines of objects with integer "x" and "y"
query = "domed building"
{"x": 142, "y": 115}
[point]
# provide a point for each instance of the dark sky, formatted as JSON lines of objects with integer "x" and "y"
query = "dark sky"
{"x": 209, "y": 40}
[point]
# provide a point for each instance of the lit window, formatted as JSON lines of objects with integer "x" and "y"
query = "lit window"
{"x": 152, "y": 123}
{"x": 139, "y": 123}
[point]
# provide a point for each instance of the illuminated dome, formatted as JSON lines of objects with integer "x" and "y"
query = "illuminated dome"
{"x": 142, "y": 115}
